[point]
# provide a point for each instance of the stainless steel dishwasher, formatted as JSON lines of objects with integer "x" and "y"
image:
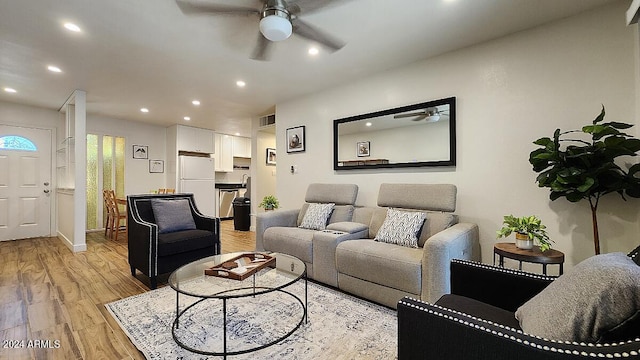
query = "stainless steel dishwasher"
{"x": 226, "y": 202}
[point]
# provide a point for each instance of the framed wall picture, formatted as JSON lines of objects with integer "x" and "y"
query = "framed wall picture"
{"x": 156, "y": 166}
{"x": 295, "y": 139}
{"x": 271, "y": 156}
{"x": 140, "y": 152}
{"x": 363, "y": 148}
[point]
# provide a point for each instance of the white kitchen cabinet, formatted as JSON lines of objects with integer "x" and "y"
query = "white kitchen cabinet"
{"x": 223, "y": 152}
{"x": 195, "y": 139}
{"x": 241, "y": 147}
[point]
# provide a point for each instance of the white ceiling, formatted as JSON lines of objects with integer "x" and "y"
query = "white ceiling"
{"x": 147, "y": 53}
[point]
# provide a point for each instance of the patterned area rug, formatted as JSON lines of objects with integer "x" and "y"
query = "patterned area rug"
{"x": 339, "y": 326}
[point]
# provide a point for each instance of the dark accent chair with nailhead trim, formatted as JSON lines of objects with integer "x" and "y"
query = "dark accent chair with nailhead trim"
{"x": 155, "y": 253}
{"x": 477, "y": 321}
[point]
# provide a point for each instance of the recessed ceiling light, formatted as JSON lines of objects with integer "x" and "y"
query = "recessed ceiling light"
{"x": 368, "y": 124}
{"x": 72, "y": 27}
{"x": 187, "y": 118}
{"x": 196, "y": 102}
{"x": 237, "y": 134}
{"x": 54, "y": 68}
{"x": 144, "y": 110}
{"x": 241, "y": 83}
{"x": 10, "y": 90}
{"x": 313, "y": 51}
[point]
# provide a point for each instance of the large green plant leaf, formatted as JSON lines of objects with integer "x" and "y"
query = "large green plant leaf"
{"x": 586, "y": 168}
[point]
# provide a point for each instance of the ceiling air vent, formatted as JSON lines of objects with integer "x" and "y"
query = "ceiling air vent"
{"x": 268, "y": 120}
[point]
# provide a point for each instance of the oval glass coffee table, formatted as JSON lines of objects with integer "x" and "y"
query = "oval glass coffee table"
{"x": 191, "y": 280}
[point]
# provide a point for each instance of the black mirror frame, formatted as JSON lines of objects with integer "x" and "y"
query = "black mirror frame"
{"x": 451, "y": 101}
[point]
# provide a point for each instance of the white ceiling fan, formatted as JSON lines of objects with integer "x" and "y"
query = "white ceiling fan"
{"x": 278, "y": 20}
{"x": 431, "y": 114}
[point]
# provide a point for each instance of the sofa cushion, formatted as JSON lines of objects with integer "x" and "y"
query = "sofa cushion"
{"x": 340, "y": 213}
{"x": 172, "y": 215}
{"x": 290, "y": 240}
{"x": 598, "y": 296}
{"x": 183, "y": 241}
{"x": 316, "y": 216}
{"x": 436, "y": 222}
{"x": 347, "y": 226}
{"x": 437, "y": 197}
{"x": 394, "y": 266}
{"x": 343, "y": 194}
{"x": 401, "y": 227}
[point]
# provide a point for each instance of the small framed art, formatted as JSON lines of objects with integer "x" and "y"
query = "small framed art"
{"x": 271, "y": 156}
{"x": 363, "y": 148}
{"x": 295, "y": 139}
{"x": 156, "y": 166}
{"x": 140, "y": 152}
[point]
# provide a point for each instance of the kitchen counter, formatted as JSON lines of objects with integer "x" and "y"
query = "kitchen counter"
{"x": 230, "y": 186}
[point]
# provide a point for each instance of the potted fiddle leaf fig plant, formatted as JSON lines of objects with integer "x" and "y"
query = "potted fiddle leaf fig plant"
{"x": 527, "y": 229}
{"x": 581, "y": 165}
{"x": 269, "y": 202}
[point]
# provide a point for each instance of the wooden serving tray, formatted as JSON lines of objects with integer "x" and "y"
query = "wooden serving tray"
{"x": 241, "y": 266}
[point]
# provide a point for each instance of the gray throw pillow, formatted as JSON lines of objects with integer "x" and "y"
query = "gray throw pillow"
{"x": 317, "y": 216}
{"x": 172, "y": 215}
{"x": 401, "y": 228}
{"x": 597, "y": 296}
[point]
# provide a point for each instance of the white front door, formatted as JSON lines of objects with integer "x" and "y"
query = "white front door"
{"x": 25, "y": 182}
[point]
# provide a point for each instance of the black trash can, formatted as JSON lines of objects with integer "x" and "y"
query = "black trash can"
{"x": 241, "y": 210}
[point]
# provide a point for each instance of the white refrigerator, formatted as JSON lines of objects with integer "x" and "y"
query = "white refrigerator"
{"x": 198, "y": 176}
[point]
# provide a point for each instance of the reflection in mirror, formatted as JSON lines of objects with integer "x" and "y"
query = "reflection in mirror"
{"x": 409, "y": 136}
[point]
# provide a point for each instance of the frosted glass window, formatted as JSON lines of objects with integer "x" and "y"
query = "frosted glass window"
{"x": 14, "y": 142}
{"x": 119, "y": 166}
{"x": 107, "y": 168}
{"x": 107, "y": 162}
{"x": 92, "y": 181}
{"x": 105, "y": 171}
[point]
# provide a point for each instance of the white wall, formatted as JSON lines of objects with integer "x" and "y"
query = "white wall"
{"x": 137, "y": 177}
{"x": 509, "y": 92}
{"x": 266, "y": 174}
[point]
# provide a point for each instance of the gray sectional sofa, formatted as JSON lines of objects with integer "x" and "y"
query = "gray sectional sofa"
{"x": 345, "y": 254}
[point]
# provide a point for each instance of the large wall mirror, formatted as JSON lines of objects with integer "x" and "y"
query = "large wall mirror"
{"x": 416, "y": 135}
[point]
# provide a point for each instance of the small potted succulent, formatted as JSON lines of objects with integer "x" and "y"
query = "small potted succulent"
{"x": 527, "y": 229}
{"x": 269, "y": 202}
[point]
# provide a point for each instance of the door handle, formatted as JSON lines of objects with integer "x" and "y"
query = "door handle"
{"x": 46, "y": 191}
{"x": 46, "y": 183}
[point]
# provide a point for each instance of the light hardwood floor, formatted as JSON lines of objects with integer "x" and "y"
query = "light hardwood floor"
{"x": 48, "y": 293}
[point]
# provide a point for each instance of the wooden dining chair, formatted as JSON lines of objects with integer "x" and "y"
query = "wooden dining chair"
{"x": 107, "y": 208}
{"x": 117, "y": 216}
{"x": 170, "y": 191}
{"x": 162, "y": 191}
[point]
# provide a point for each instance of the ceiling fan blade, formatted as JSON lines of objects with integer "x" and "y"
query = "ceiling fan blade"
{"x": 262, "y": 49}
{"x": 400, "y": 116}
{"x": 420, "y": 118}
{"x": 307, "y": 31}
{"x": 190, "y": 7}
{"x": 308, "y": 6}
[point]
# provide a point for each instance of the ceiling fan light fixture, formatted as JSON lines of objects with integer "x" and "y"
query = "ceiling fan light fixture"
{"x": 275, "y": 25}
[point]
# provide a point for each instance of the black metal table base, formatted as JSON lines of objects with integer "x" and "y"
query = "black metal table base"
{"x": 225, "y": 353}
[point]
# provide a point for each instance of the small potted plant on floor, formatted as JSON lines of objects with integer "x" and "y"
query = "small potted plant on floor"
{"x": 269, "y": 202}
{"x": 527, "y": 229}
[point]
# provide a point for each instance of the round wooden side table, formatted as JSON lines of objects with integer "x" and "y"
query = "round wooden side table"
{"x": 509, "y": 250}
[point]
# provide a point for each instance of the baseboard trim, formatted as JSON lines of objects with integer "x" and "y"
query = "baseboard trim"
{"x": 68, "y": 243}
